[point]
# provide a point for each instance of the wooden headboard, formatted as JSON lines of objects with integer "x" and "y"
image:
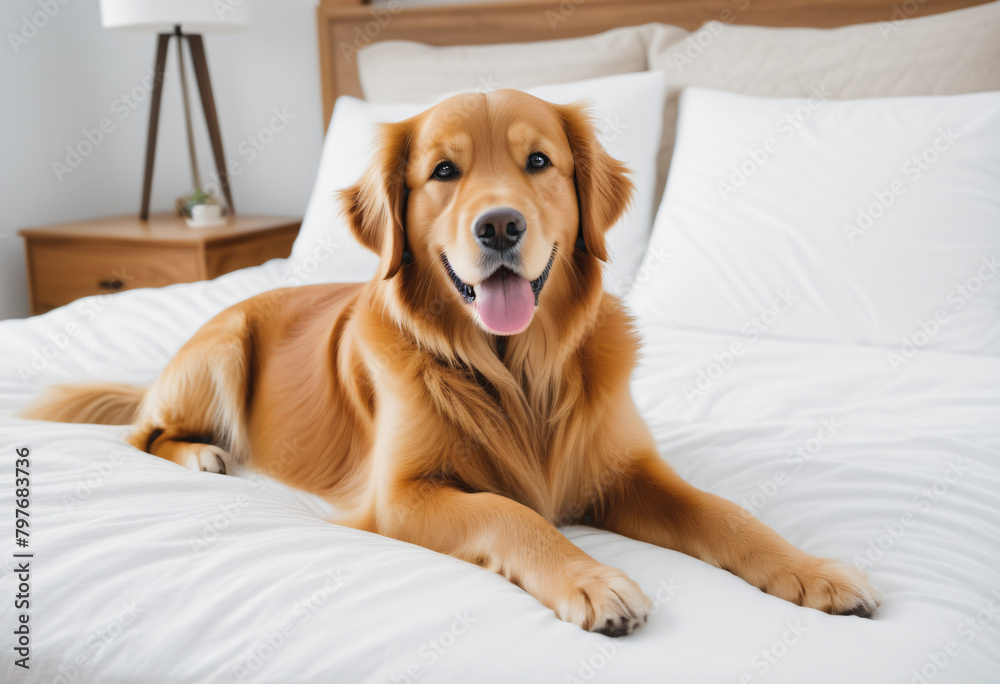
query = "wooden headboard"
{"x": 347, "y": 25}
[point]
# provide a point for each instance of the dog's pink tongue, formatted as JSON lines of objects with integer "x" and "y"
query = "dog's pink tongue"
{"x": 505, "y": 302}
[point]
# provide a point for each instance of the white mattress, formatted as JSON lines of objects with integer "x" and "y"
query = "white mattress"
{"x": 130, "y": 582}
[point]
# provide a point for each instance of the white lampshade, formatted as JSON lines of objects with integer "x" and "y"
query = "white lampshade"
{"x": 160, "y": 16}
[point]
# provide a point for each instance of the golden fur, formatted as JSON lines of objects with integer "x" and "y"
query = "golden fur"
{"x": 395, "y": 400}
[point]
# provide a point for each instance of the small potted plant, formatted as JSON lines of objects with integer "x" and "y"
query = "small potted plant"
{"x": 202, "y": 209}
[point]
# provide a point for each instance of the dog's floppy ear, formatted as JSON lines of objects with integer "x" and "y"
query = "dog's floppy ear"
{"x": 603, "y": 187}
{"x": 375, "y": 206}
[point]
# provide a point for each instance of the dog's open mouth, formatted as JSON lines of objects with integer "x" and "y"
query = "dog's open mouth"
{"x": 505, "y": 301}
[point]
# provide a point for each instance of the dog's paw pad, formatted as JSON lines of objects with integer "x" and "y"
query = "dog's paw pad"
{"x": 836, "y": 589}
{"x": 207, "y": 458}
{"x": 622, "y": 626}
{"x": 606, "y": 601}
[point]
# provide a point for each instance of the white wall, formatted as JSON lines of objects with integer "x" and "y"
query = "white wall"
{"x": 71, "y": 74}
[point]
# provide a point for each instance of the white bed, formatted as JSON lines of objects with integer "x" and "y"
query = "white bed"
{"x": 144, "y": 571}
{"x": 130, "y": 583}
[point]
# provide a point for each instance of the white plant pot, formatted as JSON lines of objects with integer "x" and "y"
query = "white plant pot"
{"x": 205, "y": 215}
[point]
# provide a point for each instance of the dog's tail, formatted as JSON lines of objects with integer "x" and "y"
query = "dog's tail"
{"x": 100, "y": 402}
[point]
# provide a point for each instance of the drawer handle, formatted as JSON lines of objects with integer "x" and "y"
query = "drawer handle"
{"x": 114, "y": 284}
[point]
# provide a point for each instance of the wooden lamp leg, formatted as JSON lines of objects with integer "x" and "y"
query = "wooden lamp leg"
{"x": 154, "y": 121}
{"x": 211, "y": 117}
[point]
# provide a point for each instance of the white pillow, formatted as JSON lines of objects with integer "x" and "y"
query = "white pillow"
{"x": 628, "y": 111}
{"x": 404, "y": 71}
{"x": 872, "y": 222}
{"x": 943, "y": 54}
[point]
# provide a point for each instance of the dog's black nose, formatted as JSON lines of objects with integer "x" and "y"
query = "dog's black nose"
{"x": 499, "y": 228}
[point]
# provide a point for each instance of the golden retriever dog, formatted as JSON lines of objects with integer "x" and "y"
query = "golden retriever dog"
{"x": 475, "y": 394}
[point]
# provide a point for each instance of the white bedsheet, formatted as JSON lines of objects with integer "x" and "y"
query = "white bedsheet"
{"x": 147, "y": 572}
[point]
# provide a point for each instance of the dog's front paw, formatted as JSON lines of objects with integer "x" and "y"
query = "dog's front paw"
{"x": 828, "y": 586}
{"x": 207, "y": 457}
{"x": 604, "y": 600}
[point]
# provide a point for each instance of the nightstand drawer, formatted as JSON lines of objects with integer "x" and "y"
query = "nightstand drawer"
{"x": 234, "y": 255}
{"x": 63, "y": 270}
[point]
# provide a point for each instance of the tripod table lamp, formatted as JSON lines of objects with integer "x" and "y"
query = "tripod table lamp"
{"x": 185, "y": 20}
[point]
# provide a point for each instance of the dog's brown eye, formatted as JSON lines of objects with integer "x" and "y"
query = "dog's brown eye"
{"x": 445, "y": 171}
{"x": 537, "y": 161}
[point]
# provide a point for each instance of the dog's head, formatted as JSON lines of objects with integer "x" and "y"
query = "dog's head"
{"x": 489, "y": 198}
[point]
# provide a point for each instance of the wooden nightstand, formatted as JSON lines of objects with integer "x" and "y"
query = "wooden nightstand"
{"x": 72, "y": 260}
